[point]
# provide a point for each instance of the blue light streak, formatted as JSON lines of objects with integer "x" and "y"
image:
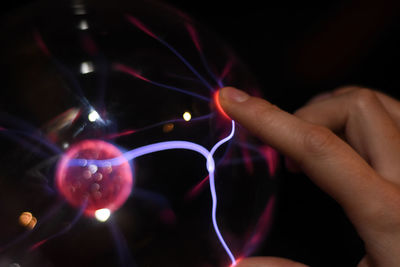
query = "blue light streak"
{"x": 169, "y": 145}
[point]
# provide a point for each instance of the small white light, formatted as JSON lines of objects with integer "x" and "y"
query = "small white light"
{"x": 87, "y": 67}
{"x": 65, "y": 145}
{"x": 83, "y": 25}
{"x": 210, "y": 164}
{"x": 79, "y": 9}
{"x": 102, "y": 215}
{"x": 93, "y": 116}
{"x": 93, "y": 168}
{"x": 187, "y": 116}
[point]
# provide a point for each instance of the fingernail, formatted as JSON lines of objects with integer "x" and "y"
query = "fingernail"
{"x": 233, "y": 94}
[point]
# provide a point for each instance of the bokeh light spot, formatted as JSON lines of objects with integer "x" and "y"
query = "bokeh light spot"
{"x": 168, "y": 127}
{"x": 93, "y": 116}
{"x": 26, "y": 219}
{"x": 87, "y": 67}
{"x": 187, "y": 116}
{"x": 102, "y": 215}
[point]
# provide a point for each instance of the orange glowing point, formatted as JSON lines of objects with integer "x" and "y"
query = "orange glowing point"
{"x": 219, "y": 107}
{"x": 32, "y": 223}
{"x": 168, "y": 127}
{"x": 236, "y": 262}
{"x": 25, "y": 218}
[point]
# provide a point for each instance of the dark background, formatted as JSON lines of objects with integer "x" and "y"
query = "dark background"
{"x": 297, "y": 49}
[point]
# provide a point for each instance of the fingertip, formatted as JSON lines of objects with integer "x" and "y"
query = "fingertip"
{"x": 217, "y": 103}
{"x": 232, "y": 95}
{"x": 268, "y": 261}
{"x": 229, "y": 101}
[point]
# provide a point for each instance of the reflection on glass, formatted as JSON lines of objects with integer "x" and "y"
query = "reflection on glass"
{"x": 120, "y": 123}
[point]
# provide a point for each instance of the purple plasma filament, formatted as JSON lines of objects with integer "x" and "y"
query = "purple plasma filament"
{"x": 168, "y": 145}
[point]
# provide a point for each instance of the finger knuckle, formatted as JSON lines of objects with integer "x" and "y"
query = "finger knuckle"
{"x": 319, "y": 140}
{"x": 305, "y": 114}
{"x": 384, "y": 212}
{"x": 346, "y": 89}
{"x": 364, "y": 98}
{"x": 264, "y": 115}
{"x": 392, "y": 204}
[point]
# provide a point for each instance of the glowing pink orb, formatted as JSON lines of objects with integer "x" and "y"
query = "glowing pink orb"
{"x": 90, "y": 186}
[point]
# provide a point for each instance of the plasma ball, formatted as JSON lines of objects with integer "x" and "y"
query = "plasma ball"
{"x": 93, "y": 187}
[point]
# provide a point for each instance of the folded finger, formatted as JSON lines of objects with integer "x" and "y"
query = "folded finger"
{"x": 391, "y": 105}
{"x": 366, "y": 124}
{"x": 326, "y": 159}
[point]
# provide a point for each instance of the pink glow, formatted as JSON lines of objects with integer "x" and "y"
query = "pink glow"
{"x": 137, "y": 23}
{"x": 130, "y": 71}
{"x": 89, "y": 45}
{"x": 246, "y": 156}
{"x": 262, "y": 228}
{"x": 101, "y": 187}
{"x": 219, "y": 107}
{"x": 255, "y": 92}
{"x": 38, "y": 244}
{"x": 168, "y": 216}
{"x": 272, "y": 159}
{"x": 193, "y": 34}
{"x": 235, "y": 263}
{"x": 182, "y": 14}
{"x": 116, "y": 135}
{"x": 227, "y": 69}
{"x": 40, "y": 43}
{"x": 197, "y": 189}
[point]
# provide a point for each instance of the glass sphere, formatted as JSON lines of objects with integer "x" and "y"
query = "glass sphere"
{"x": 115, "y": 150}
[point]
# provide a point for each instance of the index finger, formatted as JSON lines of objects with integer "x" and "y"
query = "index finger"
{"x": 325, "y": 158}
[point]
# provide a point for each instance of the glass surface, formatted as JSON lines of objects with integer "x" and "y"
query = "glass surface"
{"x": 115, "y": 151}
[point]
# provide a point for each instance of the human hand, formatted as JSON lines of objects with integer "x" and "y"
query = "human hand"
{"x": 348, "y": 143}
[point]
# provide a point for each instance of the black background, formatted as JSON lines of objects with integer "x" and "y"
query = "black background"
{"x": 297, "y": 49}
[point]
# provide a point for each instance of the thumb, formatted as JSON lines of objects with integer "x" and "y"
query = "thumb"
{"x": 268, "y": 262}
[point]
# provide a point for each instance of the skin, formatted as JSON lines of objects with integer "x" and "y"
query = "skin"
{"x": 348, "y": 143}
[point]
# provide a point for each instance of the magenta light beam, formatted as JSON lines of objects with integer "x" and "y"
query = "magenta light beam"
{"x": 138, "y": 24}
